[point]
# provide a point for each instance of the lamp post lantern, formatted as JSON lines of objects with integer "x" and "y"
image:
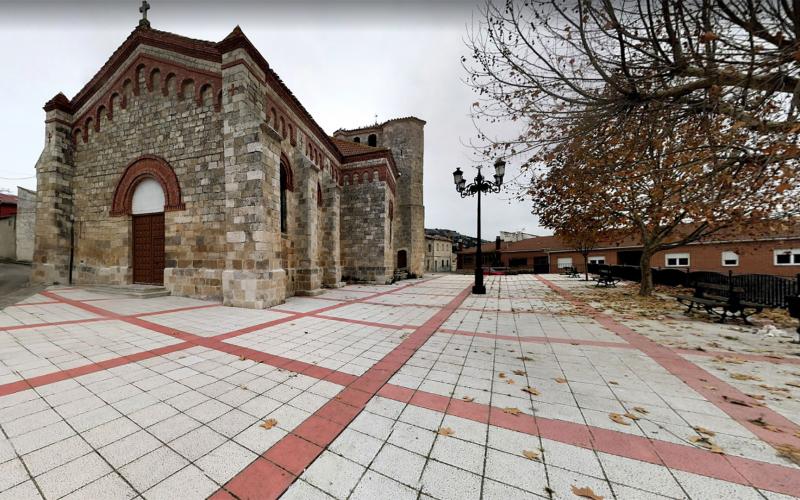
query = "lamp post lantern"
{"x": 478, "y": 186}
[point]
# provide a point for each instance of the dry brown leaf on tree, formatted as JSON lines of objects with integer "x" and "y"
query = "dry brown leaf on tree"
{"x": 586, "y": 492}
{"x": 512, "y": 411}
{"x": 468, "y": 399}
{"x": 530, "y": 455}
{"x": 531, "y": 390}
{"x": 616, "y": 417}
{"x": 269, "y": 423}
{"x": 445, "y": 431}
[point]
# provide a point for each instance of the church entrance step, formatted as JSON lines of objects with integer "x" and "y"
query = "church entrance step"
{"x": 136, "y": 291}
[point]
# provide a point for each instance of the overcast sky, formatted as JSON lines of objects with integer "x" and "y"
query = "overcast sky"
{"x": 346, "y": 61}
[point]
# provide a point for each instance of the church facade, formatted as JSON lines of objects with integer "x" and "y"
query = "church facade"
{"x": 190, "y": 164}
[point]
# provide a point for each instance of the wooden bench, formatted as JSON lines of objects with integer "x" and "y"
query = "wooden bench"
{"x": 720, "y": 300}
{"x": 606, "y": 279}
{"x": 572, "y": 272}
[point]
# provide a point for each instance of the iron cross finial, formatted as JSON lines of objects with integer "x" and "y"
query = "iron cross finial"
{"x": 143, "y": 9}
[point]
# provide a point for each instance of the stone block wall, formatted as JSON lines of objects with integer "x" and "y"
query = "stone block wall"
{"x": 366, "y": 249}
{"x": 187, "y": 134}
{"x": 26, "y": 224}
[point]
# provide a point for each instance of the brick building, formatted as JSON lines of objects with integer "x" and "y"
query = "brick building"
{"x": 776, "y": 253}
{"x": 190, "y": 163}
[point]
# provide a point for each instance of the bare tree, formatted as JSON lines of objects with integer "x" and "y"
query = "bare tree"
{"x": 660, "y": 114}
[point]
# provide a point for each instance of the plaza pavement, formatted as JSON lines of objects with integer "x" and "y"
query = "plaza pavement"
{"x": 415, "y": 390}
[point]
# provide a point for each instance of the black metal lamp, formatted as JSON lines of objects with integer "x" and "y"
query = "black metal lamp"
{"x": 478, "y": 186}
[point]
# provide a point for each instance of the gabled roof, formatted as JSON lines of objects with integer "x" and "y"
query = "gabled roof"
{"x": 350, "y": 148}
{"x": 8, "y": 199}
{"x": 200, "y": 49}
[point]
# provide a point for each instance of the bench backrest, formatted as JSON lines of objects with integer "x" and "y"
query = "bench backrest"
{"x": 733, "y": 294}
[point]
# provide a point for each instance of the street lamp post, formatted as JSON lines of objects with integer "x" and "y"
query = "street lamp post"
{"x": 478, "y": 186}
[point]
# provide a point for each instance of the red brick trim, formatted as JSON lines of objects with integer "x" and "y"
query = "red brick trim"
{"x": 148, "y": 65}
{"x": 356, "y": 175}
{"x": 144, "y": 167}
{"x": 286, "y": 166}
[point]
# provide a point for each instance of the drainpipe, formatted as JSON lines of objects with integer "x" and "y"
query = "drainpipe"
{"x": 71, "y": 244}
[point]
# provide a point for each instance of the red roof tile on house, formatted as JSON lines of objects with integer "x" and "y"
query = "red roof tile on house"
{"x": 350, "y": 148}
{"x": 9, "y": 199}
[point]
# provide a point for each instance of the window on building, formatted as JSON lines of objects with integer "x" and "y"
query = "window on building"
{"x": 677, "y": 260}
{"x": 284, "y": 210}
{"x": 518, "y": 262}
{"x": 730, "y": 259}
{"x": 356, "y": 139}
{"x": 563, "y": 262}
{"x": 597, "y": 259}
{"x": 429, "y": 247}
{"x": 787, "y": 257}
{"x": 372, "y": 140}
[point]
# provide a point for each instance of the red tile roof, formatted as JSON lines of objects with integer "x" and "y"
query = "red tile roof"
{"x": 8, "y": 199}
{"x": 350, "y": 148}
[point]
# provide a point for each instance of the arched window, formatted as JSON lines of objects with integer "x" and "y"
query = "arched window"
{"x": 319, "y": 195}
{"x": 357, "y": 139}
{"x": 284, "y": 187}
{"x": 372, "y": 140}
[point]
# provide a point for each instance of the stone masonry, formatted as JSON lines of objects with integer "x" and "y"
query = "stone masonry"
{"x": 26, "y": 223}
{"x": 259, "y": 202}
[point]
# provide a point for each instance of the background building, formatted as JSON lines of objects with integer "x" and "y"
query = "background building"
{"x": 776, "y": 253}
{"x": 438, "y": 253}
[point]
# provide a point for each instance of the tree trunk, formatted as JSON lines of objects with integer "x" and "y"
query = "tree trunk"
{"x": 646, "y": 283}
{"x": 586, "y": 265}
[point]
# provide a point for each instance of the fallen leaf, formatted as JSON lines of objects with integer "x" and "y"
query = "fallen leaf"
{"x": 561, "y": 380}
{"x": 745, "y": 376}
{"x": 530, "y": 455}
{"x": 468, "y": 399}
{"x": 242, "y": 358}
{"x": 706, "y": 443}
{"x": 710, "y": 387}
{"x": 269, "y": 423}
{"x": 735, "y": 401}
{"x": 703, "y": 430}
{"x": 531, "y": 390}
{"x": 525, "y": 358}
{"x": 510, "y": 381}
{"x": 789, "y": 451}
{"x": 632, "y": 416}
{"x": 445, "y": 431}
{"x": 512, "y": 411}
{"x": 613, "y": 382}
{"x": 616, "y": 417}
{"x": 793, "y": 384}
{"x": 762, "y": 423}
{"x": 640, "y": 410}
{"x": 520, "y": 372}
{"x": 585, "y": 492}
{"x": 501, "y": 375}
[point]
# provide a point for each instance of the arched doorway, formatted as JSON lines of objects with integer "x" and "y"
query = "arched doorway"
{"x": 148, "y": 232}
{"x": 402, "y": 259}
{"x": 147, "y": 189}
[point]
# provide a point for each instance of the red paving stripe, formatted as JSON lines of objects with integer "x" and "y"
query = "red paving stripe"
{"x": 700, "y": 380}
{"x": 188, "y": 338}
{"x": 177, "y": 309}
{"x": 55, "y": 323}
{"x": 738, "y": 470}
{"x": 538, "y": 340}
{"x": 58, "y": 376}
{"x": 365, "y": 323}
{"x": 745, "y": 356}
{"x": 320, "y": 429}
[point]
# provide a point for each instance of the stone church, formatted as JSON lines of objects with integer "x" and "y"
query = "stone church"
{"x": 190, "y": 163}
